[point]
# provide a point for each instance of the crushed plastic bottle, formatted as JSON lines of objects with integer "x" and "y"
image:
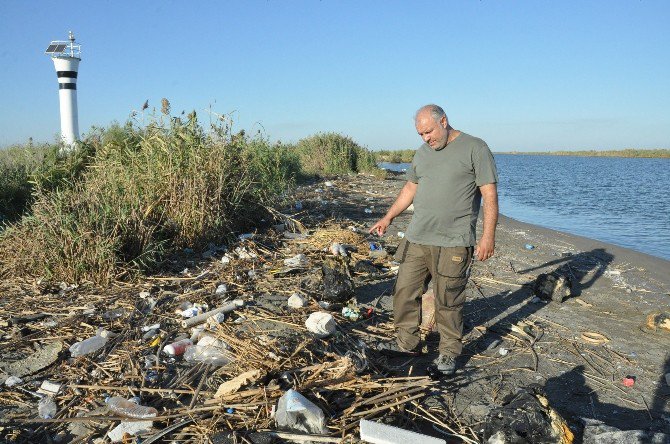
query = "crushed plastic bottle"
{"x": 47, "y": 408}
{"x": 130, "y": 409}
{"x": 298, "y": 413}
{"x": 90, "y": 345}
{"x": 206, "y": 354}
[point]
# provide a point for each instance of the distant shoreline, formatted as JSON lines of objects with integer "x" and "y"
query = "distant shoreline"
{"x": 628, "y": 153}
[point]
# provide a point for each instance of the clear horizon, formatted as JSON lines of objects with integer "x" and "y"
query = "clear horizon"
{"x": 523, "y": 76}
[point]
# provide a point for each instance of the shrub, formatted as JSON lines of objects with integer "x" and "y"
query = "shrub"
{"x": 147, "y": 192}
{"x": 332, "y": 153}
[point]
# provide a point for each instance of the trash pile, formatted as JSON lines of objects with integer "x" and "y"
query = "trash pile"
{"x": 263, "y": 340}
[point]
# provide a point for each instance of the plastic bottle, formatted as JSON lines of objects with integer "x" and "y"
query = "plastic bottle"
{"x": 177, "y": 348}
{"x": 47, "y": 408}
{"x": 206, "y": 354}
{"x": 88, "y": 346}
{"x": 130, "y": 409}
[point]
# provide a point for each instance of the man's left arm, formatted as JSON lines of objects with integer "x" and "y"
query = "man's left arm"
{"x": 486, "y": 245}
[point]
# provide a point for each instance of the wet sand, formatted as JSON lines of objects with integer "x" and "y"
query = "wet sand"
{"x": 615, "y": 289}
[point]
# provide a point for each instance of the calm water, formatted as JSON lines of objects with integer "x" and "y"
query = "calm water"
{"x": 621, "y": 201}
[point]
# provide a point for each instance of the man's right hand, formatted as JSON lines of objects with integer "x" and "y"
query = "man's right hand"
{"x": 380, "y": 227}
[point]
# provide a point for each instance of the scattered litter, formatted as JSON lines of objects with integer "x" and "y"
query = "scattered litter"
{"x": 337, "y": 281}
{"x": 49, "y": 388}
{"x": 554, "y": 286}
{"x": 338, "y": 249}
{"x": 594, "y": 338}
{"x": 299, "y": 260}
{"x": 12, "y": 381}
{"x": 297, "y": 413}
{"x": 351, "y": 314}
{"x": 529, "y": 247}
{"x": 629, "y": 381}
{"x": 46, "y": 407}
{"x": 526, "y": 416}
{"x": 124, "y": 429}
{"x": 321, "y": 324}
{"x": 232, "y": 386}
{"x": 296, "y": 301}
{"x": 88, "y": 346}
{"x": 177, "y": 348}
{"x": 129, "y": 409}
{"x": 503, "y": 351}
{"x": 378, "y": 433}
{"x": 221, "y": 289}
{"x": 328, "y": 184}
{"x": 368, "y": 211}
{"x": 401, "y": 234}
{"x": 246, "y": 236}
{"x": 298, "y": 205}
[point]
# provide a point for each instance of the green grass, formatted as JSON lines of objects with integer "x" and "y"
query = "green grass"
{"x": 646, "y": 153}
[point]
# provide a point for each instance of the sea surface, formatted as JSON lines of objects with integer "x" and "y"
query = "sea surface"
{"x": 623, "y": 201}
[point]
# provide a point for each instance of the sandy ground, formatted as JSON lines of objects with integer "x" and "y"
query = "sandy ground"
{"x": 615, "y": 290}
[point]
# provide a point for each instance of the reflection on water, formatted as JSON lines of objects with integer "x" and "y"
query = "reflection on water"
{"x": 622, "y": 201}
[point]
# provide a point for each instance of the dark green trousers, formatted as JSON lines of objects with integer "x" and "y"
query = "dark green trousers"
{"x": 448, "y": 267}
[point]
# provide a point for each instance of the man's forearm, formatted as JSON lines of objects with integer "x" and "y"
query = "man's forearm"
{"x": 490, "y": 197}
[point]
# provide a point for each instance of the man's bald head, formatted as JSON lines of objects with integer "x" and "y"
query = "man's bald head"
{"x": 436, "y": 112}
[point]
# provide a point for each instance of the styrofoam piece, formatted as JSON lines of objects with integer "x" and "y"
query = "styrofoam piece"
{"x": 377, "y": 433}
{"x": 132, "y": 428}
{"x": 321, "y": 324}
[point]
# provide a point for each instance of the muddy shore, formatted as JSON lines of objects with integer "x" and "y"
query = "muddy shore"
{"x": 577, "y": 352}
{"x": 614, "y": 291}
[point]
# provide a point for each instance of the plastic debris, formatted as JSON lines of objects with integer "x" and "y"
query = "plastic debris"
{"x": 503, "y": 351}
{"x": 529, "y": 247}
{"x": 130, "y": 409}
{"x": 378, "y": 433}
{"x": 401, "y": 234}
{"x": 151, "y": 327}
{"x": 238, "y": 382}
{"x": 225, "y": 259}
{"x": 177, "y": 348}
{"x": 629, "y": 381}
{"x": 49, "y": 388}
{"x": 90, "y": 345}
{"x": 296, "y": 301}
{"x": 321, "y": 324}
{"x": 351, "y": 314}
{"x": 338, "y": 285}
{"x": 12, "y": 381}
{"x": 221, "y": 289}
{"x": 328, "y": 183}
{"x": 298, "y": 205}
{"x": 368, "y": 211}
{"x": 299, "y": 260}
{"x": 338, "y": 249}
{"x": 134, "y": 428}
{"x": 295, "y": 412}
{"x": 47, "y": 407}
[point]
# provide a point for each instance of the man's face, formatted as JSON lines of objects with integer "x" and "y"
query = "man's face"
{"x": 434, "y": 133}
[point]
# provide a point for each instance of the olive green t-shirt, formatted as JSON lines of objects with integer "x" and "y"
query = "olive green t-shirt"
{"x": 447, "y": 200}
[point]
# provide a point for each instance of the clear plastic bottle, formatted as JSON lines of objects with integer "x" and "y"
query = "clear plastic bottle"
{"x": 47, "y": 408}
{"x": 130, "y": 409}
{"x": 88, "y": 346}
{"x": 207, "y": 354}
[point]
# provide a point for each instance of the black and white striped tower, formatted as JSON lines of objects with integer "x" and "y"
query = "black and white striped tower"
{"x": 66, "y": 58}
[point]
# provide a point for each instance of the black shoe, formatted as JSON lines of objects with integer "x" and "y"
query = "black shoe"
{"x": 445, "y": 364}
{"x": 391, "y": 348}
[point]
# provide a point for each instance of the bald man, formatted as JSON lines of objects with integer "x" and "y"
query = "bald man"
{"x": 450, "y": 175}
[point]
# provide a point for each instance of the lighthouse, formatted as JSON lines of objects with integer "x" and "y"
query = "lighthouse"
{"x": 66, "y": 58}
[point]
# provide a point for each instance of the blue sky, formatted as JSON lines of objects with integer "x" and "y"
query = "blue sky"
{"x": 522, "y": 75}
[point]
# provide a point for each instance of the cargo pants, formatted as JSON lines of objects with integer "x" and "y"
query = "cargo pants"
{"x": 449, "y": 268}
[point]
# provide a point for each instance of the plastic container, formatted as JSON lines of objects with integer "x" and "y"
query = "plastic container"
{"x": 47, "y": 408}
{"x": 177, "y": 348}
{"x": 298, "y": 413}
{"x": 206, "y": 354}
{"x": 130, "y": 409}
{"x": 88, "y": 346}
{"x": 321, "y": 324}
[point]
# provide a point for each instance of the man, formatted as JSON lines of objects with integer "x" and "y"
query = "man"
{"x": 450, "y": 174}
